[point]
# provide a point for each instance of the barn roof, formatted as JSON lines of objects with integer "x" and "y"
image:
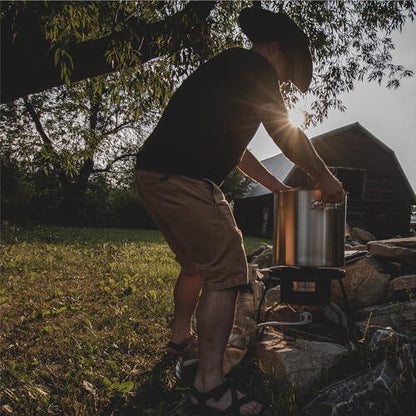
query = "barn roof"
{"x": 281, "y": 167}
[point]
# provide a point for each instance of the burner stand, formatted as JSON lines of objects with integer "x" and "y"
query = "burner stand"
{"x": 309, "y": 286}
{"x": 306, "y": 285}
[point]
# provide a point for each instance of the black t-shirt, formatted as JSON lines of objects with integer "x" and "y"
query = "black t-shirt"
{"x": 212, "y": 117}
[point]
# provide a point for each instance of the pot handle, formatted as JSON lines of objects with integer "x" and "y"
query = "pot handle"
{"x": 326, "y": 205}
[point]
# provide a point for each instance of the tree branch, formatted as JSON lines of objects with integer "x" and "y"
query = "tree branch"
{"x": 117, "y": 128}
{"x": 45, "y": 138}
{"x": 39, "y": 128}
{"x": 27, "y": 64}
{"x": 116, "y": 159}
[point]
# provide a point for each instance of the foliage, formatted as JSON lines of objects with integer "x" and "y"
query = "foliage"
{"x": 350, "y": 40}
{"x": 235, "y": 185}
{"x": 31, "y": 197}
{"x": 79, "y": 123}
{"x": 71, "y": 136}
{"x": 85, "y": 320}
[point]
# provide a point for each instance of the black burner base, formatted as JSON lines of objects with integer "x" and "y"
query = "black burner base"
{"x": 306, "y": 285}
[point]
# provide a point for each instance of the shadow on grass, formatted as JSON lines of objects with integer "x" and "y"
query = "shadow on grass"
{"x": 161, "y": 395}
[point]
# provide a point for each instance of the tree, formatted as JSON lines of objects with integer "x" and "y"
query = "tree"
{"x": 67, "y": 41}
{"x": 67, "y": 135}
{"x": 235, "y": 185}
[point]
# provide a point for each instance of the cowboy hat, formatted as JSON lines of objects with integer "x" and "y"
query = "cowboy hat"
{"x": 261, "y": 25}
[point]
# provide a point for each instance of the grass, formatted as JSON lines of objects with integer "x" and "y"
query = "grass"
{"x": 85, "y": 317}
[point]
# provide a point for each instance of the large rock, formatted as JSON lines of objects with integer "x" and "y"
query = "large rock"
{"x": 361, "y": 235}
{"x": 402, "y": 283}
{"x": 243, "y": 331}
{"x": 400, "y": 316}
{"x": 409, "y": 242}
{"x": 262, "y": 256}
{"x": 365, "y": 284}
{"x": 399, "y": 250}
{"x": 387, "y": 389}
{"x": 297, "y": 362}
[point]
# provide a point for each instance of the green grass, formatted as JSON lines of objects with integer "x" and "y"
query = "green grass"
{"x": 85, "y": 317}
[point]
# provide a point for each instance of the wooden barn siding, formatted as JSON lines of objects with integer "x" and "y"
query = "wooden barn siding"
{"x": 385, "y": 207}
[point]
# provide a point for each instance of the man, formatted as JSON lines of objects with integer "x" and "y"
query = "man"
{"x": 201, "y": 137}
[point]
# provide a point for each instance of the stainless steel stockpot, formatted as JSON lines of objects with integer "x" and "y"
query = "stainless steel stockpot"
{"x": 307, "y": 231}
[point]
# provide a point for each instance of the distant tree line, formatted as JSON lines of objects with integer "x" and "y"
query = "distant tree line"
{"x": 31, "y": 195}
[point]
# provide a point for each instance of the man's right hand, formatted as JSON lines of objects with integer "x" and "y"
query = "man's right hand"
{"x": 331, "y": 187}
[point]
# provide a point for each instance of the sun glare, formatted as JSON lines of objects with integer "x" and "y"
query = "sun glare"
{"x": 295, "y": 117}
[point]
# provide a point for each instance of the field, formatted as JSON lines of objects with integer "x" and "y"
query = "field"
{"x": 85, "y": 316}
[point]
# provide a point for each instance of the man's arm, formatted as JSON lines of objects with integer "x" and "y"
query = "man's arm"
{"x": 297, "y": 148}
{"x": 254, "y": 169}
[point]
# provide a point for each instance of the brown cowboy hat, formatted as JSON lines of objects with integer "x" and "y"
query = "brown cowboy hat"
{"x": 262, "y": 25}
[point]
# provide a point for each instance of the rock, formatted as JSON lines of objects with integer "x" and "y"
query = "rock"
{"x": 351, "y": 256}
{"x": 402, "y": 283}
{"x": 245, "y": 311}
{"x": 361, "y": 235}
{"x": 386, "y": 389}
{"x": 297, "y": 362}
{"x": 400, "y": 316}
{"x": 289, "y": 313}
{"x": 332, "y": 312}
{"x": 379, "y": 342}
{"x": 388, "y": 250}
{"x": 272, "y": 297}
{"x": 379, "y": 391}
{"x": 244, "y": 321}
{"x": 365, "y": 284}
{"x": 409, "y": 242}
{"x": 360, "y": 247}
{"x": 262, "y": 256}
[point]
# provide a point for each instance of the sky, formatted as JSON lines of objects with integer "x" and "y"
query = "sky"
{"x": 388, "y": 114}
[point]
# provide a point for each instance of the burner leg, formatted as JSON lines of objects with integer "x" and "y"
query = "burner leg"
{"x": 263, "y": 297}
{"x": 344, "y": 293}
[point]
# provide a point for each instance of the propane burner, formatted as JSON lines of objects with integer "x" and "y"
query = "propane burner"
{"x": 305, "y": 285}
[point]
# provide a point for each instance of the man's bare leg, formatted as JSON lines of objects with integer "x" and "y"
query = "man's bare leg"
{"x": 186, "y": 295}
{"x": 215, "y": 317}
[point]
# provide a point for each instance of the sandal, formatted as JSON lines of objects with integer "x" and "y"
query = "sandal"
{"x": 186, "y": 356}
{"x": 187, "y": 349}
{"x": 202, "y": 409}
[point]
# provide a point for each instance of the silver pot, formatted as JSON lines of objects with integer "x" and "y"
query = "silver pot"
{"x": 308, "y": 232}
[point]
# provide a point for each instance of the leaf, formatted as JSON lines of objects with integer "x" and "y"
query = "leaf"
{"x": 3, "y": 299}
{"x": 42, "y": 392}
{"x": 47, "y": 330}
{"x": 7, "y": 408}
{"x": 112, "y": 365}
{"x": 124, "y": 388}
{"x": 88, "y": 386}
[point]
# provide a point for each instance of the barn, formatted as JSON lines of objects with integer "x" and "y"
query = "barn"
{"x": 379, "y": 194}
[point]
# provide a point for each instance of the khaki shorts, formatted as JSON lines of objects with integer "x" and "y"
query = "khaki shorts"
{"x": 197, "y": 223}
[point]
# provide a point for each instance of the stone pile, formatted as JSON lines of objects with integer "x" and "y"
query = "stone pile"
{"x": 377, "y": 335}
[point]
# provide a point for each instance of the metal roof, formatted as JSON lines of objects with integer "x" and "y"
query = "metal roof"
{"x": 281, "y": 166}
